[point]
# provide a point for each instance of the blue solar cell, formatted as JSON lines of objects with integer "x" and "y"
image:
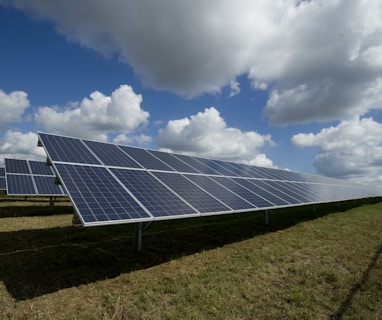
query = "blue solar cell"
{"x": 20, "y": 184}
{"x": 146, "y": 159}
{"x": 2, "y": 172}
{"x": 2, "y": 183}
{"x": 218, "y": 166}
{"x": 64, "y": 149}
{"x": 252, "y": 185}
{"x": 97, "y": 196}
{"x": 229, "y": 198}
{"x": 191, "y": 193}
{"x": 46, "y": 186}
{"x": 16, "y": 166}
{"x": 244, "y": 192}
{"x": 173, "y": 162}
{"x": 277, "y": 190}
{"x": 158, "y": 199}
{"x": 111, "y": 155}
{"x": 40, "y": 168}
{"x": 199, "y": 166}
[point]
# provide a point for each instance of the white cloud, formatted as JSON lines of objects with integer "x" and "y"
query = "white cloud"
{"x": 97, "y": 116}
{"x": 319, "y": 60}
{"x": 352, "y": 149}
{"x": 206, "y": 134}
{"x": 18, "y": 145}
{"x": 235, "y": 88}
{"x": 12, "y": 106}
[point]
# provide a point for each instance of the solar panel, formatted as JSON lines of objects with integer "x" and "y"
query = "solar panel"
{"x": 98, "y": 196}
{"x": 154, "y": 195}
{"x": 18, "y": 184}
{"x": 2, "y": 178}
{"x": 111, "y": 183}
{"x": 28, "y": 177}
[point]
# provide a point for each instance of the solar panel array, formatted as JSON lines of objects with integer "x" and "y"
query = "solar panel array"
{"x": 110, "y": 184}
{"x": 2, "y": 178}
{"x": 30, "y": 178}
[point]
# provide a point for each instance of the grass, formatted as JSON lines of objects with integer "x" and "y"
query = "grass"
{"x": 305, "y": 265}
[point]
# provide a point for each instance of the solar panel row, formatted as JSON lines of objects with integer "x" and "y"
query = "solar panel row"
{"x": 28, "y": 177}
{"x": 111, "y": 183}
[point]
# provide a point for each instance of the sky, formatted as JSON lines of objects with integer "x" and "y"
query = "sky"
{"x": 288, "y": 84}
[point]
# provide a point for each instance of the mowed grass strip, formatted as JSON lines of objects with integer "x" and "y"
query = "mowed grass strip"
{"x": 322, "y": 265}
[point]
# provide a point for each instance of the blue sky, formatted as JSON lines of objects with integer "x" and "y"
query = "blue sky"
{"x": 288, "y": 84}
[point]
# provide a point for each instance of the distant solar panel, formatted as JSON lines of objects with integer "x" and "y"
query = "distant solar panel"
{"x": 110, "y": 183}
{"x": 28, "y": 177}
{"x": 2, "y": 178}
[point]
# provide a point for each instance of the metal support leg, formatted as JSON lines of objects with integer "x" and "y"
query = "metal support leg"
{"x": 266, "y": 217}
{"x": 313, "y": 208}
{"x": 138, "y": 231}
{"x": 51, "y": 202}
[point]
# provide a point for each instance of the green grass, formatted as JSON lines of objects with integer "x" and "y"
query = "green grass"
{"x": 305, "y": 265}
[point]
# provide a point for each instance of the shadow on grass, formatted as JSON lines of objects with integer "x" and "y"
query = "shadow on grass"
{"x": 37, "y": 262}
{"x": 33, "y": 206}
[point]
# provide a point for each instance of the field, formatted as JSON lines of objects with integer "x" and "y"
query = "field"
{"x": 322, "y": 264}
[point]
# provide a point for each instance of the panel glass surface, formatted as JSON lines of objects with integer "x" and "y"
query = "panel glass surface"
{"x": 230, "y": 199}
{"x": 2, "y": 183}
{"x": 40, "y": 168}
{"x": 191, "y": 193}
{"x": 244, "y": 192}
{"x": 66, "y": 149}
{"x": 174, "y": 162}
{"x": 275, "y": 189}
{"x": 97, "y": 196}
{"x": 146, "y": 159}
{"x": 252, "y": 185}
{"x": 20, "y": 184}
{"x": 158, "y": 199}
{"x": 45, "y": 185}
{"x": 2, "y": 172}
{"x": 217, "y": 166}
{"x": 111, "y": 155}
{"x": 16, "y": 166}
{"x": 199, "y": 166}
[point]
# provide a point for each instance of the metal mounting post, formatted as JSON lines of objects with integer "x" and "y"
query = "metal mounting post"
{"x": 266, "y": 217}
{"x": 138, "y": 231}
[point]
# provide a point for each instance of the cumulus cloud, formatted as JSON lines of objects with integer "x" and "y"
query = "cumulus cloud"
{"x": 96, "y": 116}
{"x": 18, "y": 145}
{"x": 12, "y": 106}
{"x": 319, "y": 60}
{"x": 206, "y": 134}
{"x": 352, "y": 149}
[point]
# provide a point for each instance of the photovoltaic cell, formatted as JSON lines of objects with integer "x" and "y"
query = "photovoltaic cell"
{"x": 111, "y": 155}
{"x": 231, "y": 199}
{"x": 158, "y": 199}
{"x": 263, "y": 193}
{"x": 66, "y": 149}
{"x": 146, "y": 159}
{"x": 46, "y": 185}
{"x": 195, "y": 196}
{"x": 40, "y": 168}
{"x": 97, "y": 196}
{"x": 245, "y": 193}
{"x": 174, "y": 162}
{"x": 16, "y": 166}
{"x": 199, "y": 166}
{"x": 20, "y": 184}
